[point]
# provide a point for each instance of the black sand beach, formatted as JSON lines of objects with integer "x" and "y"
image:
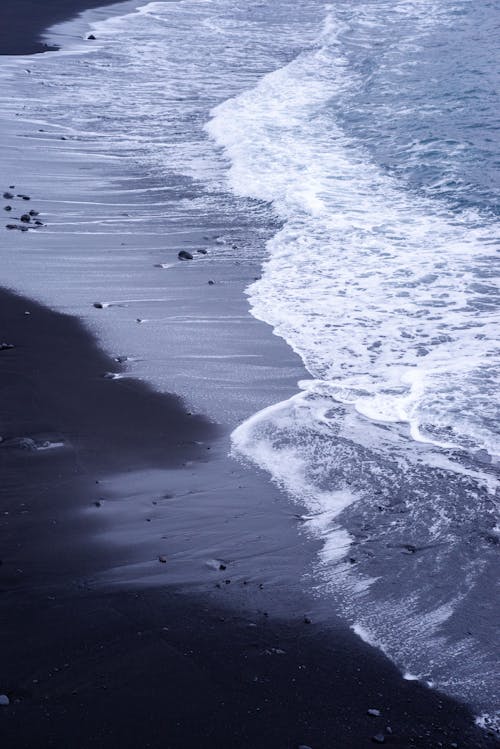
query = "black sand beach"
{"x": 147, "y": 661}
{"x": 22, "y": 22}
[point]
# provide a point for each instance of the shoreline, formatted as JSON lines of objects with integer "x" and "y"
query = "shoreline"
{"x": 22, "y": 23}
{"x": 115, "y": 661}
{"x": 104, "y": 613}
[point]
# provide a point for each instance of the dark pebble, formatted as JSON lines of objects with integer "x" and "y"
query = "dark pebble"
{"x": 23, "y": 197}
{"x": 26, "y": 218}
{"x": 211, "y": 283}
{"x": 379, "y": 738}
{"x": 6, "y": 346}
{"x": 97, "y": 503}
{"x": 184, "y": 255}
{"x": 8, "y": 208}
{"x": 8, "y": 195}
{"x": 10, "y": 226}
{"x": 202, "y": 252}
{"x": 33, "y": 213}
{"x": 307, "y": 620}
{"x": 98, "y": 305}
{"x": 162, "y": 559}
{"x": 91, "y": 38}
{"x": 222, "y": 567}
{"x": 38, "y": 222}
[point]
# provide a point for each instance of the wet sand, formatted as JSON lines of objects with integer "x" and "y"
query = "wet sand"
{"x": 235, "y": 662}
{"x": 22, "y": 22}
{"x": 152, "y": 590}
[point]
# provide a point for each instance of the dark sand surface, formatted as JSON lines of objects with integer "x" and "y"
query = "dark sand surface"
{"x": 22, "y": 22}
{"x": 87, "y": 665}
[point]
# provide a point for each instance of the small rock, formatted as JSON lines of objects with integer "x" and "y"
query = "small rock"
{"x": 10, "y": 226}
{"x": 162, "y": 559}
{"x": 379, "y": 738}
{"x": 303, "y": 746}
{"x": 22, "y": 228}
{"x": 8, "y": 208}
{"x": 222, "y": 567}
{"x": 33, "y": 213}
{"x": 26, "y": 218}
{"x": 63, "y": 137}
{"x": 202, "y": 252}
{"x": 4, "y": 700}
{"x": 98, "y": 503}
{"x": 5, "y": 346}
{"x": 374, "y": 712}
{"x": 409, "y": 549}
{"x": 91, "y": 38}
{"x": 38, "y": 222}
{"x": 184, "y": 255}
{"x": 307, "y": 620}
{"x": 8, "y": 195}
{"x": 98, "y": 305}
{"x": 388, "y": 730}
{"x": 211, "y": 283}
{"x": 23, "y": 197}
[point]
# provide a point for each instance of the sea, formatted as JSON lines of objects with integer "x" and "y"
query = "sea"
{"x": 361, "y": 139}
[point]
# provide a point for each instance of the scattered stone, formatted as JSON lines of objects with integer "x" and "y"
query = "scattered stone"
{"x": 91, "y": 38}
{"x": 63, "y": 137}
{"x": 23, "y": 197}
{"x": 8, "y": 195}
{"x": 26, "y": 218}
{"x": 211, "y": 283}
{"x": 8, "y": 208}
{"x": 374, "y": 712}
{"x": 227, "y": 582}
{"x": 10, "y": 226}
{"x": 98, "y": 305}
{"x": 38, "y": 222}
{"x": 307, "y": 620}
{"x": 22, "y": 228}
{"x": 409, "y": 549}
{"x": 379, "y": 738}
{"x": 33, "y": 213}
{"x": 98, "y": 503}
{"x": 4, "y": 700}
{"x": 184, "y": 255}
{"x": 5, "y": 346}
{"x": 202, "y": 252}
{"x": 222, "y": 567}
{"x": 162, "y": 559}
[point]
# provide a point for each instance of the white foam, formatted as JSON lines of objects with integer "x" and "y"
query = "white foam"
{"x": 373, "y": 288}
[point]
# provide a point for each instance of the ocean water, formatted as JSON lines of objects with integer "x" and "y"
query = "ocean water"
{"x": 361, "y": 139}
